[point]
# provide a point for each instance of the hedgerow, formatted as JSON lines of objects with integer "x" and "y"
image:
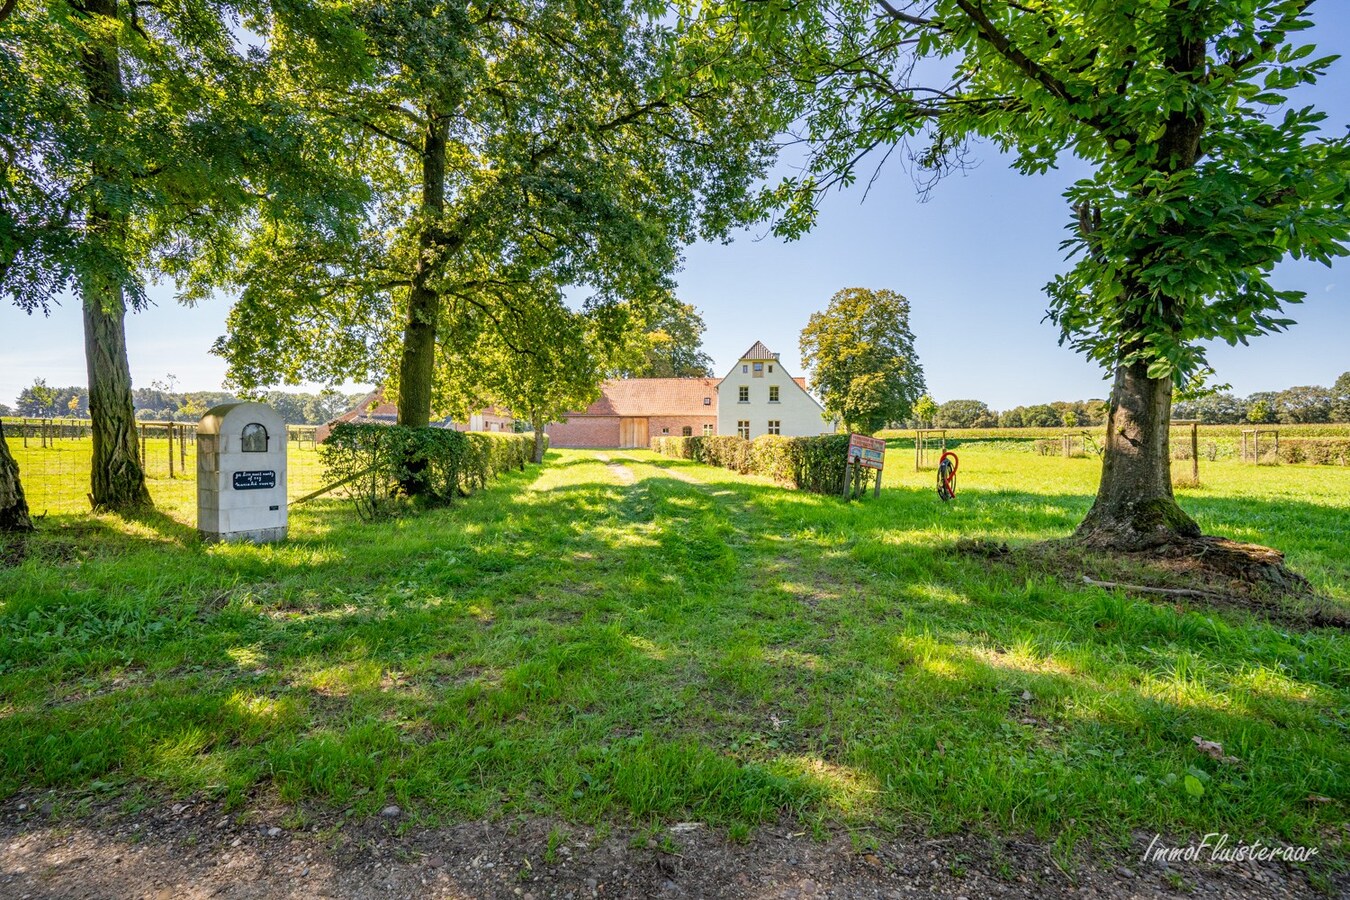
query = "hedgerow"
{"x": 374, "y": 463}
{"x": 807, "y": 463}
{"x": 1316, "y": 451}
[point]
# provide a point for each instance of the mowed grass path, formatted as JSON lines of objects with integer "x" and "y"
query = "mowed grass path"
{"x": 693, "y": 645}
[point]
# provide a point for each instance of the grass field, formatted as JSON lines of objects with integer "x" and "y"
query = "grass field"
{"x": 690, "y": 645}
{"x": 56, "y": 475}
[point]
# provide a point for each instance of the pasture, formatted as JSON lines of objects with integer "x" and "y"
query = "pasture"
{"x": 642, "y": 640}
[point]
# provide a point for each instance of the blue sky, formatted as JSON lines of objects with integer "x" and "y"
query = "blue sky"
{"x": 972, "y": 260}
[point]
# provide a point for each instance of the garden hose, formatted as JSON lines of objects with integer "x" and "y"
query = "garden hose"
{"x": 946, "y": 475}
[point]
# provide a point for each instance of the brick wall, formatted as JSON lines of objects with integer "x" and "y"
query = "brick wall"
{"x": 676, "y": 425}
{"x": 585, "y": 431}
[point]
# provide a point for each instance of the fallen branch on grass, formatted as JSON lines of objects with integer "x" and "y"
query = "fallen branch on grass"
{"x": 1170, "y": 592}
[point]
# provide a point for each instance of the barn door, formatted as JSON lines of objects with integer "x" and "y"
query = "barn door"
{"x": 633, "y": 433}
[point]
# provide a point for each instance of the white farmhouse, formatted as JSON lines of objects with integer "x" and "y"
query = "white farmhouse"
{"x": 758, "y": 396}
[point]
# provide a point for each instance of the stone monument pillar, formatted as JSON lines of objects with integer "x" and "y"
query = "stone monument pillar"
{"x": 241, "y": 474}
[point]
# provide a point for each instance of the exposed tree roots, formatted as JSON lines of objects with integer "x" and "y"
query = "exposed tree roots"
{"x": 1203, "y": 571}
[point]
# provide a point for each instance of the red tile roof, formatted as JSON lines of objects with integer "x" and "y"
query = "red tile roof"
{"x": 655, "y": 397}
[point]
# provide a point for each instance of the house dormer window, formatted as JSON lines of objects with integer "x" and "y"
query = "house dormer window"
{"x": 743, "y": 394}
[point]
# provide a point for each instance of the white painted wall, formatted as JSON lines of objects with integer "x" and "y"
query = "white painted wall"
{"x": 798, "y": 411}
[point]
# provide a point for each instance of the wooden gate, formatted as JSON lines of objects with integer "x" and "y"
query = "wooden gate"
{"x": 633, "y": 433}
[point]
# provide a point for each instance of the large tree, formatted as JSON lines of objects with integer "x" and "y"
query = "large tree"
{"x": 573, "y": 144}
{"x": 861, "y": 356}
{"x": 671, "y": 345}
{"x": 542, "y": 362}
{"x": 136, "y": 137}
{"x": 1203, "y": 176}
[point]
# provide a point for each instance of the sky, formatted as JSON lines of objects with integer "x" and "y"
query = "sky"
{"x": 972, "y": 260}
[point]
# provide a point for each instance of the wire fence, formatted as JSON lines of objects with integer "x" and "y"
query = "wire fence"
{"x": 54, "y": 457}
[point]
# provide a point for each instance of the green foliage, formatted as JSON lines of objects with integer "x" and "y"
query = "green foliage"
{"x": 1261, "y": 413}
{"x": 138, "y": 140}
{"x": 1340, "y": 392}
{"x": 670, "y": 347}
{"x": 1315, "y": 451}
{"x": 371, "y": 462}
{"x": 161, "y": 402}
{"x": 1203, "y": 176}
{"x": 807, "y": 463}
{"x": 540, "y": 363}
{"x": 962, "y": 414}
{"x": 500, "y": 157}
{"x": 861, "y": 355}
{"x": 924, "y": 411}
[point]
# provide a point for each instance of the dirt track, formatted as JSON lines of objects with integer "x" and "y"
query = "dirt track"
{"x": 188, "y": 851}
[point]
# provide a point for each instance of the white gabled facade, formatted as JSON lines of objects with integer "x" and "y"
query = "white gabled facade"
{"x": 758, "y": 395}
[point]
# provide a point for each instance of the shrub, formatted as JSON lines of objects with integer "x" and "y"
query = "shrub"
{"x": 808, "y": 463}
{"x": 1315, "y": 451}
{"x": 373, "y": 463}
{"x": 729, "y": 452}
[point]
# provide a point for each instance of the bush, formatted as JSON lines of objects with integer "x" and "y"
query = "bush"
{"x": 808, "y": 463}
{"x": 1315, "y": 451}
{"x": 374, "y": 463}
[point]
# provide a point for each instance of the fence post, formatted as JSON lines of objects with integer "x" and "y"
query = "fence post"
{"x": 170, "y": 429}
{"x": 1195, "y": 452}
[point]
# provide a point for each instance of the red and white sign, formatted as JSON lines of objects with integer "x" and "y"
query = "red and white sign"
{"x": 868, "y": 452}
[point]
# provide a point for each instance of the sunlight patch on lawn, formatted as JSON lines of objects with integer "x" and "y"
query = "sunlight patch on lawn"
{"x": 246, "y": 657}
{"x": 646, "y": 647}
{"x": 842, "y": 788}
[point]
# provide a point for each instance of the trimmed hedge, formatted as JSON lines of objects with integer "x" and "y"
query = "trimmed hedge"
{"x": 373, "y": 463}
{"x": 807, "y": 463}
{"x": 1315, "y": 451}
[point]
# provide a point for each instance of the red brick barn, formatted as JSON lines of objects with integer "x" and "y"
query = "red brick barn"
{"x": 632, "y": 411}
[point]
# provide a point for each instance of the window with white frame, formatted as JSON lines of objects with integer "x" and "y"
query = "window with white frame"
{"x": 773, "y": 393}
{"x": 743, "y": 394}
{"x": 775, "y": 426}
{"x": 745, "y": 369}
{"x": 707, "y": 431}
{"x": 743, "y": 428}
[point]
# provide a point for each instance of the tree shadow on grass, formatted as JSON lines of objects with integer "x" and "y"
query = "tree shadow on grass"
{"x": 661, "y": 649}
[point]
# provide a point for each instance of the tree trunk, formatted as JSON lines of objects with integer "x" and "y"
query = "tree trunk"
{"x": 417, "y": 365}
{"x": 1135, "y": 508}
{"x": 418, "y": 362}
{"x": 13, "y": 507}
{"x": 538, "y": 422}
{"x": 116, "y": 479}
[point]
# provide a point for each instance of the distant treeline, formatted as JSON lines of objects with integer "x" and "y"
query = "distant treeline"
{"x": 1296, "y": 405}
{"x": 160, "y": 403}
